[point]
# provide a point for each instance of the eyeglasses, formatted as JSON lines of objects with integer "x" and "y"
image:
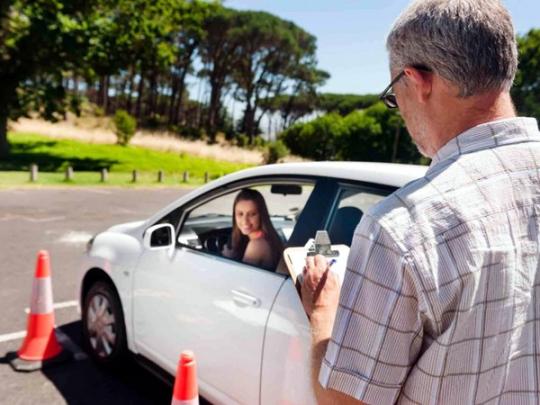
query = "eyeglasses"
{"x": 387, "y": 96}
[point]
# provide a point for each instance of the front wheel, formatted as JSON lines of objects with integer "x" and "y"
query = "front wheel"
{"x": 104, "y": 333}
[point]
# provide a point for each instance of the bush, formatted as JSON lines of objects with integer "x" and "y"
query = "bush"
{"x": 242, "y": 140}
{"x": 259, "y": 142}
{"x": 315, "y": 139}
{"x": 125, "y": 126}
{"x": 275, "y": 151}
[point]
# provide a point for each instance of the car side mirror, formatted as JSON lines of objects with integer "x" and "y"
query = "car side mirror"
{"x": 158, "y": 237}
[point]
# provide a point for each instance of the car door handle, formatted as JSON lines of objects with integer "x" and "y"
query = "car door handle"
{"x": 244, "y": 299}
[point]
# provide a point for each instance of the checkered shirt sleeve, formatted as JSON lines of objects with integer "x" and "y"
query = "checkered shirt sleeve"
{"x": 378, "y": 330}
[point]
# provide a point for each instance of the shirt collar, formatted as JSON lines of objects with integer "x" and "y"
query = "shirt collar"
{"x": 490, "y": 134}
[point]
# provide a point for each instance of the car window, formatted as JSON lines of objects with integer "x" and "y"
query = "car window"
{"x": 208, "y": 226}
{"x": 352, "y": 203}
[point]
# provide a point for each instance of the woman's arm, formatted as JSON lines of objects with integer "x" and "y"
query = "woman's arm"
{"x": 258, "y": 253}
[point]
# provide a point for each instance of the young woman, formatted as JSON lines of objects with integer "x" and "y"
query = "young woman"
{"x": 254, "y": 239}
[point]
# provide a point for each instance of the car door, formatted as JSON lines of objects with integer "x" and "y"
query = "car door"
{"x": 286, "y": 377}
{"x": 194, "y": 298}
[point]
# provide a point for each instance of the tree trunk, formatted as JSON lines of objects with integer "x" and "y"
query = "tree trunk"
{"x": 130, "y": 92}
{"x": 76, "y": 85}
{"x": 181, "y": 89}
{"x": 99, "y": 100}
{"x": 172, "y": 100}
{"x": 106, "y": 95}
{"x": 248, "y": 122}
{"x": 4, "y": 144}
{"x": 213, "y": 111}
{"x": 140, "y": 89}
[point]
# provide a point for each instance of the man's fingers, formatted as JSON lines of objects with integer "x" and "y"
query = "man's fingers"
{"x": 321, "y": 262}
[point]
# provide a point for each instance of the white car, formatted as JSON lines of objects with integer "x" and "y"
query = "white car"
{"x": 160, "y": 286}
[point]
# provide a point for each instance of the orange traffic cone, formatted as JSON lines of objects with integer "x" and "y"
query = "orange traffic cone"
{"x": 185, "y": 390}
{"x": 40, "y": 344}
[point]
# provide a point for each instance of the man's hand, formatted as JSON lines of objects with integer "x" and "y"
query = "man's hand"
{"x": 320, "y": 288}
{"x": 320, "y": 297}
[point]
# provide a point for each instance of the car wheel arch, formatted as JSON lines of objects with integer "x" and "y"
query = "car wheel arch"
{"x": 91, "y": 277}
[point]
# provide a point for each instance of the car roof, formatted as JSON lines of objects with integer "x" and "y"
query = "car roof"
{"x": 389, "y": 174}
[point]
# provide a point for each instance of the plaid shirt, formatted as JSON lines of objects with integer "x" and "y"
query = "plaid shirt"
{"x": 441, "y": 300}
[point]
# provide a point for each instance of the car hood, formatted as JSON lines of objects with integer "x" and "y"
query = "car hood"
{"x": 125, "y": 228}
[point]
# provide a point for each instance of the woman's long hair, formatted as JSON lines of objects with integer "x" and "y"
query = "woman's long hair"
{"x": 240, "y": 241}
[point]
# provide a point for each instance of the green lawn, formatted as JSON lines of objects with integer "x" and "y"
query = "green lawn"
{"x": 53, "y": 156}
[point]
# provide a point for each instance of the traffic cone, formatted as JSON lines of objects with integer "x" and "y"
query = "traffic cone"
{"x": 185, "y": 390}
{"x": 40, "y": 346}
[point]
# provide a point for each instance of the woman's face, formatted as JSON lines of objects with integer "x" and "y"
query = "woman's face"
{"x": 247, "y": 217}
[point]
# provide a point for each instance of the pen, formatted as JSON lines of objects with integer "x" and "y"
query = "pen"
{"x": 332, "y": 262}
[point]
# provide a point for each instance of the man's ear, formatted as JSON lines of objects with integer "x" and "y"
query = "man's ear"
{"x": 421, "y": 82}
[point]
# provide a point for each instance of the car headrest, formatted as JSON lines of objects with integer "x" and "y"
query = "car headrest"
{"x": 344, "y": 224}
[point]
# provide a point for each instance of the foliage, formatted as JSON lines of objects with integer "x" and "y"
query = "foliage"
{"x": 39, "y": 40}
{"x": 344, "y": 104}
{"x": 275, "y": 152}
{"x": 526, "y": 90}
{"x": 291, "y": 107}
{"x": 315, "y": 139}
{"x": 124, "y": 126}
{"x": 272, "y": 54}
{"x": 242, "y": 140}
{"x": 372, "y": 134}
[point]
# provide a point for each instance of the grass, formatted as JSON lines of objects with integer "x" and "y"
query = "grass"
{"x": 53, "y": 156}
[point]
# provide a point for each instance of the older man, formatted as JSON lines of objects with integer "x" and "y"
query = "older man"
{"x": 441, "y": 300}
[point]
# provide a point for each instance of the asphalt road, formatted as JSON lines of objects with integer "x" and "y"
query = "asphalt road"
{"x": 61, "y": 221}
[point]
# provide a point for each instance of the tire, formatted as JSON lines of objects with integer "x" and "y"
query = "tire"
{"x": 104, "y": 331}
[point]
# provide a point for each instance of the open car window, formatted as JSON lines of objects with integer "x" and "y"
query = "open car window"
{"x": 207, "y": 227}
{"x": 352, "y": 203}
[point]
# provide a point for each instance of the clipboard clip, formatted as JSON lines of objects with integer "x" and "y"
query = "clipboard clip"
{"x": 322, "y": 246}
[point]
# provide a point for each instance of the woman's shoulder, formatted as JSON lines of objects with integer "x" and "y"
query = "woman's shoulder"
{"x": 259, "y": 242}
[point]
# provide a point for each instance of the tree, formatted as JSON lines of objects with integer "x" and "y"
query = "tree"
{"x": 344, "y": 104}
{"x": 371, "y": 134}
{"x": 271, "y": 53}
{"x": 526, "y": 90}
{"x": 218, "y": 51}
{"x": 40, "y": 40}
{"x": 291, "y": 107}
{"x": 315, "y": 139}
{"x": 124, "y": 126}
{"x": 186, "y": 41}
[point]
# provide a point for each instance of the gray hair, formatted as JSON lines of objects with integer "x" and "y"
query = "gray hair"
{"x": 470, "y": 43}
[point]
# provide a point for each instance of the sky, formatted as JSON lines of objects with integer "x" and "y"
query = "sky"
{"x": 351, "y": 34}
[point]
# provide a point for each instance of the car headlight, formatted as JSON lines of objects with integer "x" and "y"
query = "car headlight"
{"x": 90, "y": 243}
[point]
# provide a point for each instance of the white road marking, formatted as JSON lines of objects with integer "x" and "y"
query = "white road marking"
{"x": 74, "y": 237}
{"x": 12, "y": 336}
{"x": 59, "y": 305}
{"x": 96, "y": 191}
{"x": 11, "y": 217}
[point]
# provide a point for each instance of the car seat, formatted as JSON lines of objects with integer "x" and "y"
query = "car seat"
{"x": 345, "y": 221}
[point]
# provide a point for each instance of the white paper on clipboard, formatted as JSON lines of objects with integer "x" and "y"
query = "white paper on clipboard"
{"x": 295, "y": 258}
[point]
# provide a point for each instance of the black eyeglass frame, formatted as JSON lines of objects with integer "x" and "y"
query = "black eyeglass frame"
{"x": 388, "y": 97}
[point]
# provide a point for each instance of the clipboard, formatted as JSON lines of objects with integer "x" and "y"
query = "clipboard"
{"x": 295, "y": 259}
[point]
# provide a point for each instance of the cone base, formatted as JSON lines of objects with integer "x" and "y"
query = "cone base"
{"x": 22, "y": 365}
{"x": 40, "y": 348}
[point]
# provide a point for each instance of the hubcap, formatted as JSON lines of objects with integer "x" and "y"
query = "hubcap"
{"x": 101, "y": 325}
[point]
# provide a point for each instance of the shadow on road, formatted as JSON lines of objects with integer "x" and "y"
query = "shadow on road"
{"x": 83, "y": 382}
